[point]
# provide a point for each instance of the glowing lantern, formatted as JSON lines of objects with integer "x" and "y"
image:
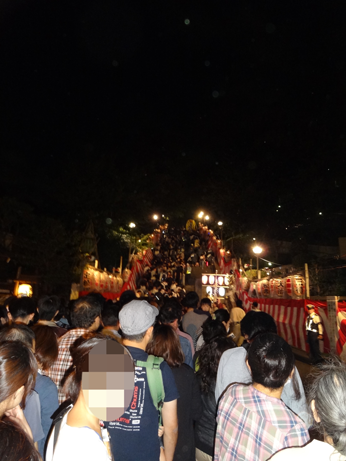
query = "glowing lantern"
{"x": 221, "y": 291}
{"x": 204, "y": 279}
{"x": 209, "y": 291}
{"x": 24, "y": 291}
{"x": 220, "y": 280}
{"x": 211, "y": 280}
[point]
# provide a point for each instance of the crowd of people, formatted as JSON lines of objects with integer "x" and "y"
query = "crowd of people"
{"x": 208, "y": 381}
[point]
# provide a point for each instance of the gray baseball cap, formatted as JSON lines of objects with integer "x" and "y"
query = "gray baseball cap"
{"x": 137, "y": 316}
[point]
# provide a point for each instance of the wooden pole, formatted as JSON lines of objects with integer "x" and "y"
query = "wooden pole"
{"x": 121, "y": 265}
{"x": 307, "y": 281}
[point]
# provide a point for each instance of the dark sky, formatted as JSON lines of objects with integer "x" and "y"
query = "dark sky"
{"x": 250, "y": 94}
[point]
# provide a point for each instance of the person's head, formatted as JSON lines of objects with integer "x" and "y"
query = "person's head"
{"x": 310, "y": 308}
{"x": 171, "y": 312}
{"x": 18, "y": 332}
{"x": 22, "y": 310}
{"x": 3, "y": 315}
{"x": 126, "y": 297}
{"x": 255, "y": 323}
{"x": 110, "y": 316}
{"x": 255, "y": 304}
{"x": 191, "y": 300}
{"x": 222, "y": 315}
{"x": 15, "y": 444}
{"x": 271, "y": 361}
{"x": 143, "y": 284}
{"x": 206, "y": 304}
{"x": 165, "y": 343}
{"x": 86, "y": 313}
{"x": 18, "y": 370}
{"x": 136, "y": 321}
{"x": 327, "y": 398}
{"x": 46, "y": 346}
{"x": 215, "y": 344}
{"x": 48, "y": 307}
{"x": 99, "y": 367}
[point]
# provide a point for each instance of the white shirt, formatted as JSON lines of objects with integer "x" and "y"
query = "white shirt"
{"x": 76, "y": 443}
{"x": 314, "y": 451}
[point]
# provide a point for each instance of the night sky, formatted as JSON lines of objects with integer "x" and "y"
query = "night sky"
{"x": 128, "y": 107}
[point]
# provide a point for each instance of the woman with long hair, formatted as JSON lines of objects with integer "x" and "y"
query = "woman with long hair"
{"x": 208, "y": 357}
{"x": 18, "y": 369}
{"x": 165, "y": 343}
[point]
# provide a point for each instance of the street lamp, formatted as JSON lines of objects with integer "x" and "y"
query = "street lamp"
{"x": 132, "y": 225}
{"x": 257, "y": 250}
{"x": 155, "y": 217}
{"x": 201, "y": 214}
{"x": 207, "y": 218}
{"x": 220, "y": 224}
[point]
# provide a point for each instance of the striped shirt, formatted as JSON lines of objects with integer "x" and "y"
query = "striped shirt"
{"x": 252, "y": 426}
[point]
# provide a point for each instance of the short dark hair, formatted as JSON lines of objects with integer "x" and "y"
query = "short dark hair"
{"x": 46, "y": 345}
{"x": 110, "y": 315}
{"x": 165, "y": 343}
{"x": 15, "y": 444}
{"x": 222, "y": 315}
{"x": 205, "y": 301}
{"x": 170, "y": 311}
{"x": 255, "y": 323}
{"x": 48, "y": 306}
{"x": 18, "y": 332}
{"x": 255, "y": 304}
{"x": 21, "y": 307}
{"x": 84, "y": 311}
{"x": 126, "y": 297}
{"x": 191, "y": 299}
{"x": 271, "y": 360}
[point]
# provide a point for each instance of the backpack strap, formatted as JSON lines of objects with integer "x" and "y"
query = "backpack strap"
{"x": 56, "y": 425}
{"x": 155, "y": 381}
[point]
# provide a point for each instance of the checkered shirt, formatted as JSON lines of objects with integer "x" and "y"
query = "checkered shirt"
{"x": 252, "y": 426}
{"x": 64, "y": 360}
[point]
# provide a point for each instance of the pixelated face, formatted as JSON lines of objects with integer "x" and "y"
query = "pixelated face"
{"x": 108, "y": 380}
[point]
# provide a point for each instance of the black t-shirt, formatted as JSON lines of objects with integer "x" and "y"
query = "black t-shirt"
{"x": 189, "y": 410}
{"x": 134, "y": 436}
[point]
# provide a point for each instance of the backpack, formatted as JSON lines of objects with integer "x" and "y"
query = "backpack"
{"x": 155, "y": 382}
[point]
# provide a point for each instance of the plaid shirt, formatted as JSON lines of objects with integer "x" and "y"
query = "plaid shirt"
{"x": 64, "y": 360}
{"x": 252, "y": 426}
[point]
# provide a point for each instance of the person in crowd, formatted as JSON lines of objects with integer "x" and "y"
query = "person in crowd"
{"x": 254, "y": 307}
{"x": 136, "y": 437}
{"x": 3, "y": 315}
{"x": 85, "y": 316}
{"x": 126, "y": 297}
{"x": 314, "y": 331}
{"x": 32, "y": 408}
{"x": 18, "y": 370}
{"x": 22, "y": 310}
{"x": 327, "y": 393}
{"x": 216, "y": 342}
{"x": 170, "y": 314}
{"x": 223, "y": 316}
{"x": 79, "y": 436}
{"x": 236, "y": 316}
{"x": 46, "y": 352}
{"x": 165, "y": 343}
{"x": 233, "y": 368}
{"x": 15, "y": 444}
{"x": 252, "y": 421}
{"x": 194, "y": 317}
{"x": 205, "y": 305}
{"x": 48, "y": 309}
{"x": 110, "y": 320}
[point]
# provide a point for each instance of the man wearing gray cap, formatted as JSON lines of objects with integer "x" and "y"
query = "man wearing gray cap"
{"x": 134, "y": 436}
